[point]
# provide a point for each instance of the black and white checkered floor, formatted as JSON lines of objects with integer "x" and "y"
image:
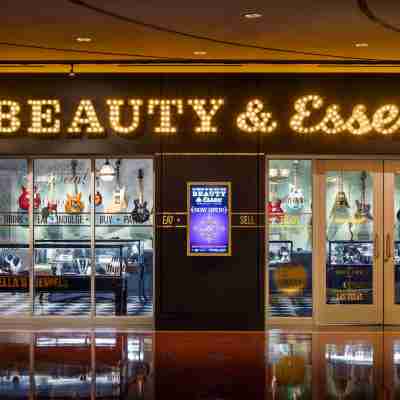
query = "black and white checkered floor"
{"x": 18, "y": 304}
{"x": 296, "y": 306}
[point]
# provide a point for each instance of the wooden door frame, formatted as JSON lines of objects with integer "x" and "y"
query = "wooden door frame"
{"x": 355, "y": 314}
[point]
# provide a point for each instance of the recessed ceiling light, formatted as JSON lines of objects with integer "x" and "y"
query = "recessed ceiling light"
{"x": 252, "y": 15}
{"x": 361, "y": 44}
{"x": 199, "y": 53}
{"x": 83, "y": 39}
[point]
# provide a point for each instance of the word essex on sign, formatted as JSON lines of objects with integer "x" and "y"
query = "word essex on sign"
{"x": 125, "y": 116}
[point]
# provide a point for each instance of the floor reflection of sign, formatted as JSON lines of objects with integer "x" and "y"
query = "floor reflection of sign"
{"x": 209, "y": 218}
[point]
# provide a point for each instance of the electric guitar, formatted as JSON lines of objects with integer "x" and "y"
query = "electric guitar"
{"x": 275, "y": 211}
{"x": 49, "y": 213}
{"x": 363, "y": 213}
{"x": 24, "y": 197}
{"x": 98, "y": 198}
{"x": 74, "y": 203}
{"x": 295, "y": 199}
{"x": 118, "y": 202}
{"x": 140, "y": 213}
{"x": 340, "y": 210}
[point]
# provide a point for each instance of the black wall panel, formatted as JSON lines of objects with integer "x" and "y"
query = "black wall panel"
{"x": 210, "y": 292}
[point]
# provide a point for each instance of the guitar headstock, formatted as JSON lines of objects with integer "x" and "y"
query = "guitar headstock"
{"x": 51, "y": 181}
{"x": 74, "y": 166}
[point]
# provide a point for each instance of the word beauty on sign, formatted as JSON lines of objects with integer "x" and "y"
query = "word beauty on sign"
{"x": 125, "y": 116}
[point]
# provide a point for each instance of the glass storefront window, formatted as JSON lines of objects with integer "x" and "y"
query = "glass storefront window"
{"x": 14, "y": 234}
{"x": 124, "y": 236}
{"x": 290, "y": 238}
{"x": 62, "y": 255}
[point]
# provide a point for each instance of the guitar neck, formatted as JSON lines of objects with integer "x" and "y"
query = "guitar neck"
{"x": 141, "y": 191}
{"x": 295, "y": 171}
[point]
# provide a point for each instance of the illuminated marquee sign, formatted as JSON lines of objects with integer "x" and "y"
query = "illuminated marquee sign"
{"x": 125, "y": 116}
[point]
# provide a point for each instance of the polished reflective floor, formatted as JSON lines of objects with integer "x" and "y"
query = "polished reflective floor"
{"x": 278, "y": 364}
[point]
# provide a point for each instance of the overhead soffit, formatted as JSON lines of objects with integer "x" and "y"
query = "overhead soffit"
{"x": 170, "y": 32}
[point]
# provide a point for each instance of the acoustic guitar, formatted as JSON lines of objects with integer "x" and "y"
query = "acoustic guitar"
{"x": 119, "y": 202}
{"x": 140, "y": 213}
{"x": 340, "y": 212}
{"x": 98, "y": 198}
{"x": 74, "y": 203}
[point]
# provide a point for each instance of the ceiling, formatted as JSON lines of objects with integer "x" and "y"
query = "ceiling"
{"x": 170, "y": 32}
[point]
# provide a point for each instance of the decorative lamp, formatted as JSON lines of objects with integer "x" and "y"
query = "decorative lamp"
{"x": 107, "y": 172}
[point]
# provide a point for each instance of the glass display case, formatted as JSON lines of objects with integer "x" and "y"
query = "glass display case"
{"x": 290, "y": 238}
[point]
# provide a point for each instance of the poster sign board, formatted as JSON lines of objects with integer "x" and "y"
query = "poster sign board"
{"x": 209, "y": 219}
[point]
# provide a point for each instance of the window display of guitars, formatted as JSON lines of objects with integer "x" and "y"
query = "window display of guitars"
{"x": 118, "y": 199}
{"x": 140, "y": 213}
{"x": 295, "y": 199}
{"x": 74, "y": 203}
{"x": 23, "y": 200}
{"x": 49, "y": 213}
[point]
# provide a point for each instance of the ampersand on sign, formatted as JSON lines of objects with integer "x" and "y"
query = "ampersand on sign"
{"x": 255, "y": 120}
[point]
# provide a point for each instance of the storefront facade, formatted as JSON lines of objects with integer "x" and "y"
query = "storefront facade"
{"x": 220, "y": 201}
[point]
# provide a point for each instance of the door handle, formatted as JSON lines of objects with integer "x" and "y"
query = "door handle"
{"x": 388, "y": 248}
{"x": 376, "y": 246}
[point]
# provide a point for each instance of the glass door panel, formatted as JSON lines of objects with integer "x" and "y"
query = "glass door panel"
{"x": 289, "y": 238}
{"x": 350, "y": 223}
{"x": 392, "y": 242}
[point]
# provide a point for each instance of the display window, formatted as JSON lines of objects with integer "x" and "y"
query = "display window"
{"x": 289, "y": 211}
{"x": 15, "y": 263}
{"x": 62, "y": 251}
{"x": 64, "y": 216}
{"x": 124, "y": 236}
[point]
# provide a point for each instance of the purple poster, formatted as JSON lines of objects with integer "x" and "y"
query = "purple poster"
{"x": 209, "y": 218}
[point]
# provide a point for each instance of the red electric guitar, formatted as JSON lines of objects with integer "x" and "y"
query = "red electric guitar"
{"x": 275, "y": 211}
{"x": 23, "y": 199}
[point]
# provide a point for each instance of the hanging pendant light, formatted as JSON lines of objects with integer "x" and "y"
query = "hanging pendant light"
{"x": 107, "y": 172}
